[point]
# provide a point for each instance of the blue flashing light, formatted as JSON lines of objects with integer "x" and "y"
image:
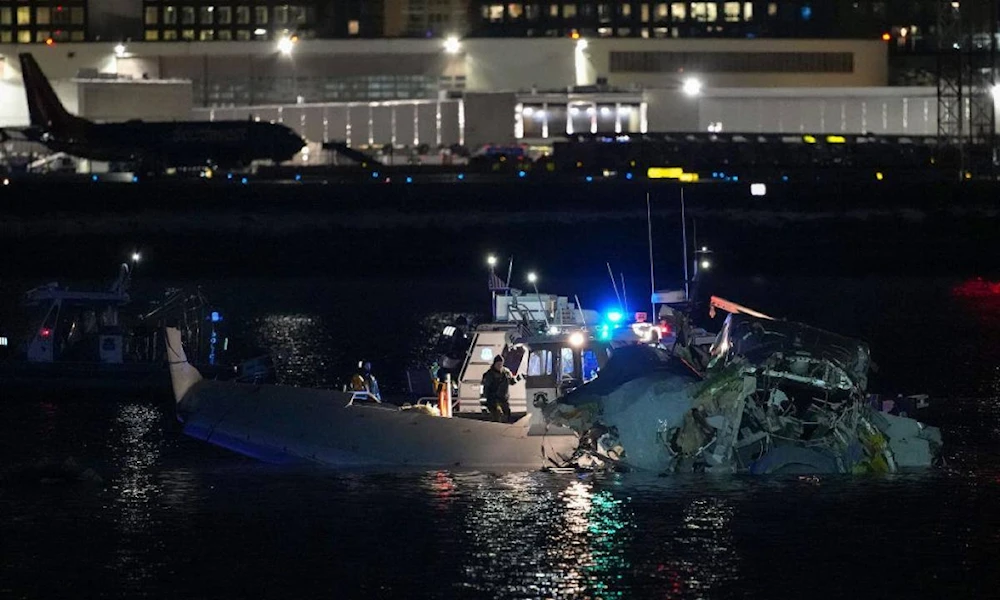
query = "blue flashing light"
{"x": 461, "y": 176}
{"x": 135, "y": 179}
{"x": 243, "y": 181}
{"x": 589, "y": 178}
{"x": 93, "y": 177}
{"x": 628, "y": 176}
{"x": 736, "y": 177}
{"x": 298, "y": 177}
{"x": 521, "y": 173}
{"x": 784, "y": 177}
{"x": 229, "y": 176}
{"x": 807, "y": 12}
{"x": 216, "y": 317}
{"x": 615, "y": 316}
{"x": 409, "y": 179}
{"x": 604, "y": 332}
{"x": 374, "y": 174}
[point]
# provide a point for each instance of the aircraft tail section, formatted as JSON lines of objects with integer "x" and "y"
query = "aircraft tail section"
{"x": 43, "y": 105}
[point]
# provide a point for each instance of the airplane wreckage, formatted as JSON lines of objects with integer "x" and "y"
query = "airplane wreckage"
{"x": 767, "y": 396}
{"x": 763, "y": 396}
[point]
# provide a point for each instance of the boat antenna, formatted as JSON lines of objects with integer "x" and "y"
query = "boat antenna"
{"x": 624, "y": 295}
{"x": 687, "y": 286}
{"x": 583, "y": 319}
{"x": 652, "y": 276}
{"x": 614, "y": 285}
{"x": 510, "y": 268}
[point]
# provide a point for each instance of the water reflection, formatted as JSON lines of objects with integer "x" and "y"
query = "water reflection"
{"x": 136, "y": 439}
{"x": 530, "y": 540}
{"x": 303, "y": 348}
{"x": 700, "y": 553}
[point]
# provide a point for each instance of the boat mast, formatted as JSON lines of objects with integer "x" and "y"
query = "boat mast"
{"x": 652, "y": 276}
{"x": 687, "y": 283}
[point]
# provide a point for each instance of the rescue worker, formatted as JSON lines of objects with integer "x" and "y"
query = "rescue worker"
{"x": 364, "y": 381}
{"x": 496, "y": 389}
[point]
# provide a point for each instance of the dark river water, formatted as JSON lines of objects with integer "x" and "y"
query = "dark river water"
{"x": 175, "y": 518}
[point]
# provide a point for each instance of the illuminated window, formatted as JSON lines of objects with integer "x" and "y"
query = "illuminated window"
{"x": 260, "y": 15}
{"x": 243, "y": 35}
{"x": 569, "y": 11}
{"x": 187, "y": 15}
{"x": 23, "y": 18}
{"x": 704, "y": 12}
{"x": 152, "y": 15}
{"x": 604, "y": 12}
{"x": 206, "y": 35}
{"x": 678, "y": 12}
{"x": 76, "y": 15}
{"x": 531, "y": 12}
{"x": 24, "y": 37}
{"x": 60, "y": 35}
{"x": 42, "y": 35}
{"x": 486, "y": 354}
{"x": 170, "y": 35}
{"x": 772, "y": 9}
{"x": 566, "y": 366}
{"x": 604, "y": 31}
{"x": 6, "y": 16}
{"x": 187, "y": 35}
{"x": 297, "y": 15}
{"x": 495, "y": 13}
{"x": 539, "y": 363}
{"x": 515, "y": 10}
{"x": 42, "y": 15}
{"x": 748, "y": 11}
{"x": 224, "y": 15}
{"x": 353, "y": 27}
{"x": 625, "y": 10}
{"x": 170, "y": 15}
{"x": 243, "y": 15}
{"x": 554, "y": 11}
{"x": 152, "y": 35}
{"x": 224, "y": 35}
{"x": 6, "y": 37}
{"x": 206, "y": 15}
{"x": 732, "y": 11}
{"x": 281, "y": 15}
{"x": 644, "y": 13}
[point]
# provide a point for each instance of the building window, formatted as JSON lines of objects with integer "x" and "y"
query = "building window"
{"x": 24, "y": 37}
{"x": 260, "y": 15}
{"x": 152, "y": 35}
{"x": 772, "y": 9}
{"x": 187, "y": 15}
{"x": 42, "y": 35}
{"x": 152, "y": 15}
{"x": 732, "y": 62}
{"x": 297, "y": 15}
{"x": 554, "y": 11}
{"x": 569, "y": 11}
{"x": 494, "y": 12}
{"x": 224, "y": 15}
{"x": 604, "y": 31}
{"x": 604, "y": 12}
{"x": 732, "y": 11}
{"x": 187, "y": 35}
{"x": 531, "y": 12}
{"x": 678, "y": 12}
{"x": 170, "y": 35}
{"x": 207, "y": 15}
{"x": 24, "y": 18}
{"x": 704, "y": 12}
{"x": 43, "y": 16}
{"x": 515, "y": 11}
{"x": 76, "y": 36}
{"x": 225, "y": 35}
{"x": 6, "y": 16}
{"x": 243, "y": 35}
{"x": 625, "y": 10}
{"x": 644, "y": 13}
{"x": 206, "y": 35}
{"x": 353, "y": 27}
{"x": 748, "y": 11}
{"x": 170, "y": 15}
{"x": 6, "y": 37}
{"x": 281, "y": 15}
{"x": 242, "y": 15}
{"x": 76, "y": 15}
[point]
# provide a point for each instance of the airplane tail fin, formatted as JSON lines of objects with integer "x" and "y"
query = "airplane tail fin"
{"x": 183, "y": 375}
{"x": 43, "y": 105}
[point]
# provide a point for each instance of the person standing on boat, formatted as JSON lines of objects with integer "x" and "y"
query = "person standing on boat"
{"x": 496, "y": 389}
{"x": 364, "y": 381}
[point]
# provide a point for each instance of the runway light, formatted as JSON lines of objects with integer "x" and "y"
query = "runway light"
{"x": 452, "y": 45}
{"x": 758, "y": 189}
{"x": 691, "y": 86}
{"x": 576, "y": 339}
{"x": 835, "y": 139}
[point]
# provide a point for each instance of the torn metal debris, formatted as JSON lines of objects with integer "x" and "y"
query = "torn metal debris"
{"x": 774, "y": 397}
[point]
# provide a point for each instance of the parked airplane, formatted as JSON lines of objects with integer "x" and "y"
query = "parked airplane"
{"x": 153, "y": 146}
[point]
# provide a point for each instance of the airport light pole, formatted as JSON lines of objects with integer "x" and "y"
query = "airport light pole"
{"x": 491, "y": 260}
{"x": 533, "y": 280}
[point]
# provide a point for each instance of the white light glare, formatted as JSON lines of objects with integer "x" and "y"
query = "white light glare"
{"x": 491, "y": 260}
{"x": 692, "y": 86}
{"x": 120, "y": 50}
{"x": 135, "y": 257}
{"x": 260, "y": 31}
{"x": 285, "y": 46}
{"x": 553, "y": 330}
{"x": 758, "y": 189}
{"x": 532, "y": 278}
{"x": 705, "y": 264}
{"x": 576, "y": 339}
{"x": 452, "y": 45}
{"x": 995, "y": 91}
{"x": 581, "y": 44}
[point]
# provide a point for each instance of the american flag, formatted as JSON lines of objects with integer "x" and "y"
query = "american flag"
{"x": 496, "y": 284}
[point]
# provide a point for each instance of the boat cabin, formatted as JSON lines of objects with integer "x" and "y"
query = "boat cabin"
{"x": 74, "y": 326}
